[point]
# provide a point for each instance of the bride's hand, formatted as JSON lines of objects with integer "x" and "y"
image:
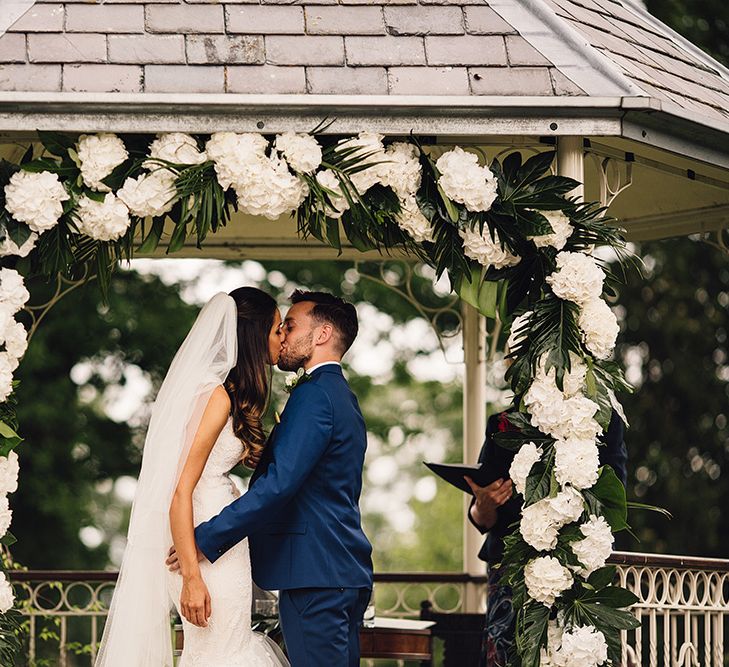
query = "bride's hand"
{"x": 195, "y": 601}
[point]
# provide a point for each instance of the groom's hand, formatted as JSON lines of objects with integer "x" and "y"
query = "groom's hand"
{"x": 173, "y": 562}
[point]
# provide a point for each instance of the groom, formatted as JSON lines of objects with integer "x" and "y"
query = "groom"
{"x": 301, "y": 511}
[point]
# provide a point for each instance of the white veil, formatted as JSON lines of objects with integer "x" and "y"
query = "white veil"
{"x": 137, "y": 631}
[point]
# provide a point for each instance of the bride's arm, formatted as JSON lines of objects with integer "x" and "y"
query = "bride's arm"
{"x": 195, "y": 600}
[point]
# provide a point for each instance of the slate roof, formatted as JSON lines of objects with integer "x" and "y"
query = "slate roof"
{"x": 659, "y": 61}
{"x": 548, "y": 48}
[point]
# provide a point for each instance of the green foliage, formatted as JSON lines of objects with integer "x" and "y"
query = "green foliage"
{"x": 71, "y": 445}
{"x": 607, "y": 498}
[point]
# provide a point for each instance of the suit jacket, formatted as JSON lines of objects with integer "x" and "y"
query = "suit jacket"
{"x": 498, "y": 459}
{"x": 301, "y": 511}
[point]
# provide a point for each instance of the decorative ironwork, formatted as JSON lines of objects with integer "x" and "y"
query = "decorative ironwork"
{"x": 615, "y": 176}
{"x": 64, "y": 286}
{"x": 401, "y": 283}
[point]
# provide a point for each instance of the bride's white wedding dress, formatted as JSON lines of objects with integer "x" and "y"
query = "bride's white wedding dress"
{"x": 228, "y": 640}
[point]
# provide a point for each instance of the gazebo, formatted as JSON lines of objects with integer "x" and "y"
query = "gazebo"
{"x": 636, "y": 113}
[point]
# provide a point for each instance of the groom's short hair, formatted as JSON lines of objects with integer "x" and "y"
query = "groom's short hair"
{"x": 333, "y": 310}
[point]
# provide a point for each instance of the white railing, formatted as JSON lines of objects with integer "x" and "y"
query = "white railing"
{"x": 684, "y": 609}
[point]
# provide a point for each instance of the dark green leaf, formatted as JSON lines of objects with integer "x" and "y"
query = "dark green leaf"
{"x": 607, "y": 498}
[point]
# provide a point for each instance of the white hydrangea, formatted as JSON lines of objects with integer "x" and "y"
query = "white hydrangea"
{"x": 554, "y": 641}
{"x": 485, "y": 250}
{"x": 6, "y": 515}
{"x": 581, "y": 647}
{"x": 302, "y": 151}
{"x": 412, "y": 220}
{"x": 99, "y": 155}
{"x": 15, "y": 338}
{"x": 13, "y": 293}
{"x": 576, "y": 462}
{"x": 7, "y": 597}
{"x": 402, "y": 171}
{"x": 236, "y": 155}
{"x": 599, "y": 328}
{"x": 541, "y": 521}
{"x": 561, "y": 417}
{"x": 578, "y": 278}
{"x": 580, "y": 419}
{"x": 594, "y": 550}
{"x": 561, "y": 231}
{"x": 518, "y": 330}
{"x": 537, "y": 526}
{"x": 271, "y": 190}
{"x": 545, "y": 403}
{"x": 567, "y": 506}
{"x": 102, "y": 220}
{"x": 9, "y": 469}
{"x": 35, "y": 199}
{"x": 573, "y": 380}
{"x": 8, "y": 247}
{"x": 175, "y": 147}
{"x": 522, "y": 465}
{"x": 328, "y": 179}
{"x": 149, "y": 195}
{"x": 6, "y": 375}
{"x": 546, "y": 579}
{"x": 464, "y": 181}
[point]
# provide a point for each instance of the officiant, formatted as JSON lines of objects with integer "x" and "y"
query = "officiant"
{"x": 493, "y": 511}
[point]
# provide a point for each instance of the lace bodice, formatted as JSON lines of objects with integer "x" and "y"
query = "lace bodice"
{"x": 226, "y": 453}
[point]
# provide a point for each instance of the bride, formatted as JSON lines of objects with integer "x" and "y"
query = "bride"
{"x": 207, "y": 417}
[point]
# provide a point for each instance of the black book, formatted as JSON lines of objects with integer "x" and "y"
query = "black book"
{"x": 453, "y": 473}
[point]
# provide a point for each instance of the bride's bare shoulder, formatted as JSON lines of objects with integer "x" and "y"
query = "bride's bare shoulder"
{"x": 219, "y": 401}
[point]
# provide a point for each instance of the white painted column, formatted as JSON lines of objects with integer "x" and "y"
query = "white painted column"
{"x": 474, "y": 428}
{"x": 571, "y": 161}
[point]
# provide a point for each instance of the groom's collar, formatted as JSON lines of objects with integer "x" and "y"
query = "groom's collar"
{"x": 328, "y": 365}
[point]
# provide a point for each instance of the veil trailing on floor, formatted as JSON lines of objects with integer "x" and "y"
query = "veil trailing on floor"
{"x": 137, "y": 631}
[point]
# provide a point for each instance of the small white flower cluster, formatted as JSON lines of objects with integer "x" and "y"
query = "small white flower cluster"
{"x": 13, "y": 337}
{"x": 464, "y": 181}
{"x": 403, "y": 173}
{"x": 579, "y": 279}
{"x": 9, "y": 469}
{"x": 546, "y": 579}
{"x": 561, "y": 231}
{"x": 579, "y": 647}
{"x": 522, "y": 465}
{"x": 562, "y": 414}
{"x": 541, "y": 522}
{"x": 37, "y": 200}
{"x": 99, "y": 155}
{"x": 597, "y": 545}
{"x": 487, "y": 250}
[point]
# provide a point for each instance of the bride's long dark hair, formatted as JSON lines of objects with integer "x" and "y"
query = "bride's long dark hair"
{"x": 248, "y": 383}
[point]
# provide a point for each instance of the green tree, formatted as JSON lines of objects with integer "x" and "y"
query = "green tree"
{"x": 674, "y": 347}
{"x": 703, "y": 22}
{"x": 70, "y": 442}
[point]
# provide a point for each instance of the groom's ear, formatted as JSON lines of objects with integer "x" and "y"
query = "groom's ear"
{"x": 325, "y": 334}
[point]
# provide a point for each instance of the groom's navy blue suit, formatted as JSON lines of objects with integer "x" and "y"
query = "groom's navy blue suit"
{"x": 301, "y": 516}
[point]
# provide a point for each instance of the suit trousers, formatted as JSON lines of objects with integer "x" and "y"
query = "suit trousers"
{"x": 321, "y": 625}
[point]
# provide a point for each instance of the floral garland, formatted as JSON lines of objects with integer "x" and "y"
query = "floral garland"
{"x": 511, "y": 241}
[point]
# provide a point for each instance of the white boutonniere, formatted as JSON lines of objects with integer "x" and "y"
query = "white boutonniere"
{"x": 295, "y": 379}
